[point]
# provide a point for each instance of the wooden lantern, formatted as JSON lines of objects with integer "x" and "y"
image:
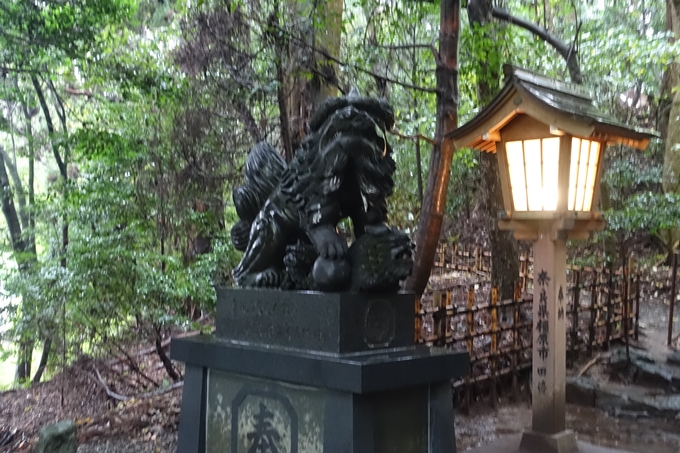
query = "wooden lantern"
{"x": 549, "y": 140}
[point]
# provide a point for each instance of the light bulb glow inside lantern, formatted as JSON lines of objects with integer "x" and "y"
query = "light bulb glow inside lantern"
{"x": 585, "y": 156}
{"x": 534, "y": 166}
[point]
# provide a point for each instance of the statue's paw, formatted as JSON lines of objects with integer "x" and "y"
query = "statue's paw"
{"x": 333, "y": 248}
{"x": 271, "y": 278}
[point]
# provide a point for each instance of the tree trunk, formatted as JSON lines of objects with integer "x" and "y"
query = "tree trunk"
{"x": 167, "y": 363}
{"x": 504, "y": 250}
{"x": 18, "y": 189}
{"x": 671, "y": 161}
{"x": 31, "y": 180}
{"x": 432, "y": 211}
{"x": 61, "y": 163}
{"x": 671, "y": 158}
{"x": 23, "y": 370}
{"x": 47, "y": 346}
{"x": 10, "y": 211}
{"x": 323, "y": 34}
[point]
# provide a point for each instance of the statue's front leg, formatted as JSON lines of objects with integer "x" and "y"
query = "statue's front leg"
{"x": 262, "y": 262}
{"x": 328, "y": 242}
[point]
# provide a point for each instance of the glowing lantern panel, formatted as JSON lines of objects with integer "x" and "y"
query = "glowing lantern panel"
{"x": 533, "y": 167}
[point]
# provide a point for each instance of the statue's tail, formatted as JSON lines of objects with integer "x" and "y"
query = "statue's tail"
{"x": 263, "y": 171}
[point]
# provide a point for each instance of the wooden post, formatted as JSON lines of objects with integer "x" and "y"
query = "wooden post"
{"x": 419, "y": 320}
{"x": 515, "y": 340}
{"x": 624, "y": 309}
{"x": 470, "y": 344}
{"x": 436, "y": 318}
{"x": 549, "y": 341}
{"x": 494, "y": 343}
{"x": 674, "y": 275}
{"x": 593, "y": 311}
{"x": 637, "y": 305}
{"x": 448, "y": 304}
{"x": 574, "y": 316}
{"x": 608, "y": 319}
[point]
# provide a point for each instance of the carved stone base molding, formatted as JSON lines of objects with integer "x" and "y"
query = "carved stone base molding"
{"x": 562, "y": 442}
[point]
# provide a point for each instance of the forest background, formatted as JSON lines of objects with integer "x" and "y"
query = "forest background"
{"x": 124, "y": 125}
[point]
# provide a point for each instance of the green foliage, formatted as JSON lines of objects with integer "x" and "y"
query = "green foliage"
{"x": 647, "y": 211}
{"x": 162, "y": 101}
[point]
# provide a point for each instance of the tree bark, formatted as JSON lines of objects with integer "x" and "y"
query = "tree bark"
{"x": 55, "y": 151}
{"x": 50, "y": 125}
{"x": 671, "y": 158}
{"x": 10, "y": 211}
{"x": 312, "y": 81}
{"x": 432, "y": 211}
{"x": 671, "y": 161}
{"x": 281, "y": 47}
{"x": 31, "y": 179}
{"x": 18, "y": 188}
{"x": 167, "y": 363}
{"x": 23, "y": 369}
{"x": 504, "y": 250}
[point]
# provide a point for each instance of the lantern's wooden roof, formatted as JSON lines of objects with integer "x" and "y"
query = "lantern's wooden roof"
{"x": 565, "y": 107}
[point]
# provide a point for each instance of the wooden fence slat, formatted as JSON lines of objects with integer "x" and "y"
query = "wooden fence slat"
{"x": 576, "y": 297}
{"x": 609, "y": 308}
{"x": 637, "y": 305}
{"x": 494, "y": 343}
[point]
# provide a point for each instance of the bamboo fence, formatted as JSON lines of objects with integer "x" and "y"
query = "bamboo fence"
{"x": 498, "y": 333}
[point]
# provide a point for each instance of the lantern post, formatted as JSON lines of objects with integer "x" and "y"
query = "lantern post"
{"x": 549, "y": 140}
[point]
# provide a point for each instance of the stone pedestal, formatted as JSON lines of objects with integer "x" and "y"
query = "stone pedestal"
{"x": 303, "y": 372}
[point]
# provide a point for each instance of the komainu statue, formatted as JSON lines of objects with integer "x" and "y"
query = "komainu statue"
{"x": 289, "y": 213}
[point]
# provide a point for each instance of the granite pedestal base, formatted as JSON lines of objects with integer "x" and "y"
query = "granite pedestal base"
{"x": 562, "y": 442}
{"x": 314, "y": 372}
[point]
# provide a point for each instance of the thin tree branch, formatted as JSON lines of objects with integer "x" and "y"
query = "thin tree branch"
{"x": 61, "y": 112}
{"x": 50, "y": 125}
{"x": 567, "y": 52}
{"x": 414, "y": 137}
{"x": 545, "y": 35}
{"x": 405, "y": 46}
{"x": 354, "y": 66}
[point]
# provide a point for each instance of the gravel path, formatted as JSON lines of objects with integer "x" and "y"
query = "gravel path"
{"x": 164, "y": 443}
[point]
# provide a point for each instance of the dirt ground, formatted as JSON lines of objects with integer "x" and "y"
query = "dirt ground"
{"x": 78, "y": 394}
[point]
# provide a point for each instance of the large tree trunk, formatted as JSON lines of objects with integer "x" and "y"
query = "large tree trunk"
{"x": 323, "y": 36}
{"x": 504, "y": 251}
{"x": 432, "y": 211}
{"x": 10, "y": 211}
{"x": 23, "y": 370}
{"x": 671, "y": 158}
{"x": 671, "y": 164}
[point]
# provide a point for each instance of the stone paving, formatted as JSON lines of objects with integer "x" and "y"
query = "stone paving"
{"x": 510, "y": 444}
